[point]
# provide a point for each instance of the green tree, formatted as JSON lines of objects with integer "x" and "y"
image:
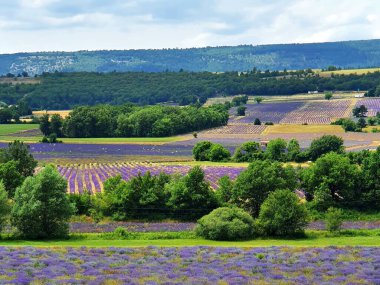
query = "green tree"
{"x": 328, "y": 95}
{"x": 294, "y": 149}
{"x": 45, "y": 124}
{"x": 226, "y": 224}
{"x": 219, "y": 153}
{"x": 254, "y": 184}
{"x": 360, "y": 111}
{"x": 224, "y": 191}
{"x": 201, "y": 151}
{"x": 282, "y": 214}
{"x": 335, "y": 173}
{"x": 4, "y": 206}
{"x": 191, "y": 195}
{"x": 248, "y": 152}
{"x": 257, "y": 122}
{"x": 276, "y": 149}
{"x": 371, "y": 180}
{"x": 19, "y": 152}
{"x": 41, "y": 207}
{"x": 325, "y": 144}
{"x": 5, "y": 116}
{"x": 361, "y": 123}
{"x": 11, "y": 177}
{"x": 56, "y": 123}
{"x": 241, "y": 111}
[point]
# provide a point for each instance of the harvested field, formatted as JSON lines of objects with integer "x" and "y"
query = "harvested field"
{"x": 299, "y": 129}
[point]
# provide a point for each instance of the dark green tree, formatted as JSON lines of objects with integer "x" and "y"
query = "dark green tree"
{"x": 325, "y": 144}
{"x": 282, "y": 214}
{"x": 45, "y": 124}
{"x": 360, "y": 111}
{"x": 257, "y": 122}
{"x": 219, "y": 153}
{"x": 56, "y": 123}
{"x": 248, "y": 152}
{"x": 333, "y": 172}
{"x": 191, "y": 196}
{"x": 254, "y": 184}
{"x": 201, "y": 151}
{"x": 241, "y": 111}
{"x": 41, "y": 207}
{"x": 19, "y": 152}
{"x": 276, "y": 149}
{"x": 11, "y": 177}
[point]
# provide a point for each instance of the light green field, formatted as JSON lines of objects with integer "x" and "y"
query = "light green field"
{"x": 7, "y": 129}
{"x": 310, "y": 242}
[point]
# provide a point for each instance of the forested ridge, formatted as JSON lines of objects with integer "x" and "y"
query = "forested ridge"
{"x": 67, "y": 90}
{"x": 348, "y": 54}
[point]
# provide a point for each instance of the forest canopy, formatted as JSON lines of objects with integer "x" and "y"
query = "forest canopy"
{"x": 60, "y": 91}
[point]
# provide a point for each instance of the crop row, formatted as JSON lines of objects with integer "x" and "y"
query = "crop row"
{"x": 318, "y": 112}
{"x": 190, "y": 265}
{"x": 91, "y": 176}
{"x": 237, "y": 129}
{"x": 267, "y": 112}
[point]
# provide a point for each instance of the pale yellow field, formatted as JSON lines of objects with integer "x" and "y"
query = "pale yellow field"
{"x": 302, "y": 129}
{"x": 350, "y": 71}
{"x": 62, "y": 113}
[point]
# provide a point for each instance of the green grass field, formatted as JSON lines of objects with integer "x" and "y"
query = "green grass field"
{"x": 7, "y": 129}
{"x": 310, "y": 242}
{"x": 178, "y": 239}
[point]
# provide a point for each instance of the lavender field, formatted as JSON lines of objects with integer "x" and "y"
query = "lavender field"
{"x": 372, "y": 104}
{"x": 190, "y": 265}
{"x": 268, "y": 112}
{"x": 91, "y": 176}
{"x": 323, "y": 112}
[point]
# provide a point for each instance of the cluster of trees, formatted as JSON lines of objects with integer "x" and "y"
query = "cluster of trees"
{"x": 359, "y": 112}
{"x": 58, "y": 91}
{"x": 37, "y": 206}
{"x": 266, "y": 191}
{"x": 13, "y": 112}
{"x": 134, "y": 121}
{"x": 277, "y": 150}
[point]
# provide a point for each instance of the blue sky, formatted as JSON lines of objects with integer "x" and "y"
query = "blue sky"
{"x": 67, "y": 25}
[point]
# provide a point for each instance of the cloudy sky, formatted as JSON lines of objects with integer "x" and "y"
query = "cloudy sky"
{"x": 67, "y": 25}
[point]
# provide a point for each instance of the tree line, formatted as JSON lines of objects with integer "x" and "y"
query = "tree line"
{"x": 276, "y": 150}
{"x": 129, "y": 120}
{"x": 61, "y": 91}
{"x": 39, "y": 207}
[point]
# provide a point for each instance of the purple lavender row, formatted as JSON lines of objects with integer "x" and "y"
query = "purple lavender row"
{"x": 190, "y": 265}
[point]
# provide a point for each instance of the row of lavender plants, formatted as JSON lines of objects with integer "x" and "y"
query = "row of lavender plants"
{"x": 92, "y": 176}
{"x": 190, "y": 265}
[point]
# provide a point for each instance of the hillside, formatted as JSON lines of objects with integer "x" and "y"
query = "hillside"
{"x": 60, "y": 91}
{"x": 348, "y": 54}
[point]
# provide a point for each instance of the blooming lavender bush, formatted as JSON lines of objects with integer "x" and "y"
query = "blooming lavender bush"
{"x": 190, "y": 265}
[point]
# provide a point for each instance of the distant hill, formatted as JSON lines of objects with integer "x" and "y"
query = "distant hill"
{"x": 349, "y": 54}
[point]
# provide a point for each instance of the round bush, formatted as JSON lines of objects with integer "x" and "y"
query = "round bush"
{"x": 282, "y": 214}
{"x": 226, "y": 224}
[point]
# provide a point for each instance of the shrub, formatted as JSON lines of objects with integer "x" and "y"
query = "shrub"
{"x": 219, "y": 153}
{"x": 334, "y": 219}
{"x": 257, "y": 122}
{"x": 282, "y": 214}
{"x": 201, "y": 150}
{"x": 226, "y": 224}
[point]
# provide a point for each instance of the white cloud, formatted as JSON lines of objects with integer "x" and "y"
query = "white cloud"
{"x": 37, "y": 25}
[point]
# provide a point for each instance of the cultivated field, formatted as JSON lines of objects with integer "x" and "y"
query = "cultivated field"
{"x": 92, "y": 176}
{"x": 62, "y": 113}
